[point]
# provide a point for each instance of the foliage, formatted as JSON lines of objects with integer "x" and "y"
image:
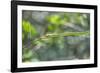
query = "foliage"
{"x": 65, "y": 37}
{"x": 28, "y": 29}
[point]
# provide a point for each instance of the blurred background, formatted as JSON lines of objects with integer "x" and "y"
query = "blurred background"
{"x": 50, "y": 36}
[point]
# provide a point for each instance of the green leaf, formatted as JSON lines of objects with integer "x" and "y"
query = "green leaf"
{"x": 28, "y": 28}
{"x": 54, "y": 19}
{"x": 50, "y": 27}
